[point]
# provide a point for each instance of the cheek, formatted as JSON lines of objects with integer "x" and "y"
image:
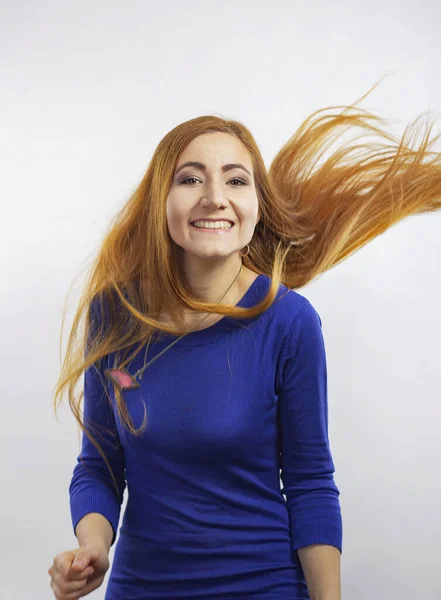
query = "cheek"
{"x": 175, "y": 215}
{"x": 249, "y": 215}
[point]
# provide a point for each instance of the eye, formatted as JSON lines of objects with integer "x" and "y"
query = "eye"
{"x": 188, "y": 179}
{"x": 241, "y": 181}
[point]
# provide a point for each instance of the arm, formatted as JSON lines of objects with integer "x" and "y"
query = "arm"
{"x": 321, "y": 567}
{"x": 94, "y": 529}
{"x": 92, "y": 489}
{"x": 306, "y": 462}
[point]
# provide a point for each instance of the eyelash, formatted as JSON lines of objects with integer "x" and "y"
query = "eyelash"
{"x": 234, "y": 179}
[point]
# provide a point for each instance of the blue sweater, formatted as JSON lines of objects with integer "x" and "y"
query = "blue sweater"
{"x": 230, "y": 409}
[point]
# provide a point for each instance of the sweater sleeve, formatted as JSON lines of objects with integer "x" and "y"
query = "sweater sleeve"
{"x": 92, "y": 488}
{"x": 306, "y": 462}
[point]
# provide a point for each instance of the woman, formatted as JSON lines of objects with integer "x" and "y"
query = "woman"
{"x": 205, "y": 372}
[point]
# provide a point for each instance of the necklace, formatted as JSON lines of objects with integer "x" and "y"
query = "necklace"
{"x": 126, "y": 381}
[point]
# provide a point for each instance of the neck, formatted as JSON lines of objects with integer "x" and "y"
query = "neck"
{"x": 209, "y": 280}
{"x": 208, "y": 283}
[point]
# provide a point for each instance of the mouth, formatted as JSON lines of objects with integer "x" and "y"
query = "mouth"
{"x": 214, "y": 229}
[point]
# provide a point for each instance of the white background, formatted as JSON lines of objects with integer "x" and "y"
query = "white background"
{"x": 88, "y": 89}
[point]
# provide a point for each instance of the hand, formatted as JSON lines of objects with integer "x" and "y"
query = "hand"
{"x": 76, "y": 573}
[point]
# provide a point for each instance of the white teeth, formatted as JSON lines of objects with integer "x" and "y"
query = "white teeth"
{"x": 213, "y": 224}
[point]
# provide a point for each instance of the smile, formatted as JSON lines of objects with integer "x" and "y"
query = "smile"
{"x": 213, "y": 226}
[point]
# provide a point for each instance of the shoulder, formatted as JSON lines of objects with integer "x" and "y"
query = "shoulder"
{"x": 293, "y": 309}
{"x": 290, "y": 322}
{"x": 302, "y": 342}
{"x": 300, "y": 327}
{"x": 106, "y": 307}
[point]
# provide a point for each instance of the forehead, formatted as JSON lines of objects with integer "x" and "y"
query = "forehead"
{"x": 217, "y": 148}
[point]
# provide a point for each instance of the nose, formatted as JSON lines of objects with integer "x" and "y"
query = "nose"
{"x": 215, "y": 195}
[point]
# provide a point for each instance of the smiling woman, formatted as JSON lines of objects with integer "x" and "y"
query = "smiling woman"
{"x": 194, "y": 286}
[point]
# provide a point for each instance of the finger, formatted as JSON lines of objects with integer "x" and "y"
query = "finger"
{"x": 79, "y": 568}
{"x": 67, "y": 587}
{"x": 56, "y": 591}
{"x": 59, "y": 595}
{"x": 63, "y": 562}
{"x": 86, "y": 555}
{"x": 79, "y": 575}
{"x": 73, "y": 596}
{"x": 83, "y": 558}
{"x": 92, "y": 585}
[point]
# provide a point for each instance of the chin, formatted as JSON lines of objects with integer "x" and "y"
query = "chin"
{"x": 210, "y": 253}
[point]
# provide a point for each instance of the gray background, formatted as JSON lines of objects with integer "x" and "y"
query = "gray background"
{"x": 87, "y": 91}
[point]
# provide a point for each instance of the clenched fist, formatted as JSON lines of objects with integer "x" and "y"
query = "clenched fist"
{"x": 76, "y": 573}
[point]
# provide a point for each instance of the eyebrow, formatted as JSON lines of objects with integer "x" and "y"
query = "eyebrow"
{"x": 202, "y": 167}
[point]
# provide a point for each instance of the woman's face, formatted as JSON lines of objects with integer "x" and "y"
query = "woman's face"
{"x": 219, "y": 189}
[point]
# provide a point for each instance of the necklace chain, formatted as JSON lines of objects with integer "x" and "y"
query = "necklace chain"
{"x": 140, "y": 372}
